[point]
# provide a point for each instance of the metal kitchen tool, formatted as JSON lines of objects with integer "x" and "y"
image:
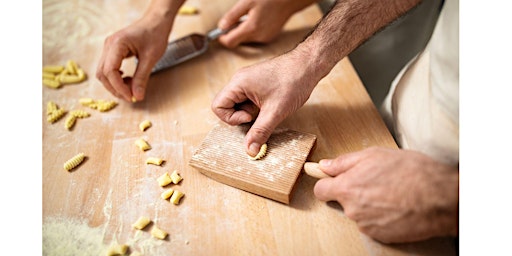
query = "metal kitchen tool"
{"x": 188, "y": 47}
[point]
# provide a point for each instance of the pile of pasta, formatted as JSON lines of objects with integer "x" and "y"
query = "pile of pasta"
{"x": 55, "y": 76}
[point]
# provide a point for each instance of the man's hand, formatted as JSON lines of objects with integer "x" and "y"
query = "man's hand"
{"x": 393, "y": 195}
{"x": 265, "y": 20}
{"x": 266, "y": 92}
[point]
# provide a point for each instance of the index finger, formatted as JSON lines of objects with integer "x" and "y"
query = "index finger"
{"x": 111, "y": 69}
{"x": 341, "y": 164}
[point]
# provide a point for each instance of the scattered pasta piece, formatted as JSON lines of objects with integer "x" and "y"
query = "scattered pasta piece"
{"x": 134, "y": 99}
{"x": 188, "y": 10}
{"x": 70, "y": 122}
{"x": 80, "y": 113}
{"x": 51, "y": 107}
{"x": 49, "y": 76}
{"x": 86, "y": 101}
{"x": 154, "y": 160}
{"x": 164, "y": 180}
{"x": 53, "y": 69}
{"x": 141, "y": 223}
{"x": 101, "y": 105}
{"x": 158, "y": 233}
{"x": 144, "y": 125}
{"x": 176, "y": 197}
{"x": 261, "y": 154}
{"x": 166, "y": 194}
{"x": 175, "y": 177}
{"x": 142, "y": 144}
{"x": 74, "y": 161}
{"x": 55, "y": 84}
{"x": 117, "y": 249}
{"x": 56, "y": 115}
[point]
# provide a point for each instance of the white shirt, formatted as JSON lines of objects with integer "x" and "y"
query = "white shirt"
{"x": 422, "y": 107}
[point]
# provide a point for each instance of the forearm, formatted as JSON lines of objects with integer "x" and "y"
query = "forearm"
{"x": 161, "y": 13}
{"x": 348, "y": 24}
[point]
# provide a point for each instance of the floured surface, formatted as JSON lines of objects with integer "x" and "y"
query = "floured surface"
{"x": 222, "y": 156}
{"x": 93, "y": 206}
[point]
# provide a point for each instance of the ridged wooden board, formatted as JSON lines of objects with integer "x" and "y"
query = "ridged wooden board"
{"x": 222, "y": 157}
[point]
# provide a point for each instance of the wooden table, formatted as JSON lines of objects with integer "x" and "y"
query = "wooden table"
{"x": 93, "y": 206}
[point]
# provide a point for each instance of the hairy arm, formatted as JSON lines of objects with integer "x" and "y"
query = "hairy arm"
{"x": 346, "y": 26}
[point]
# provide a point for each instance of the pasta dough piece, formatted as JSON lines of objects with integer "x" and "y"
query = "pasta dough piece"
{"x": 74, "y": 161}
{"x": 56, "y": 115}
{"x": 53, "y": 68}
{"x": 86, "y": 101}
{"x": 101, "y": 105}
{"x": 261, "y": 154}
{"x": 141, "y": 223}
{"x": 166, "y": 194}
{"x": 164, "y": 180}
{"x": 144, "y": 125}
{"x": 70, "y": 122}
{"x": 158, "y": 233}
{"x": 48, "y": 75}
{"x": 188, "y": 10}
{"x": 80, "y": 113}
{"x": 71, "y": 67}
{"x": 175, "y": 177}
{"x": 142, "y": 144}
{"x": 154, "y": 160}
{"x": 117, "y": 249}
{"x": 55, "y": 84}
{"x": 176, "y": 197}
{"x": 51, "y": 107}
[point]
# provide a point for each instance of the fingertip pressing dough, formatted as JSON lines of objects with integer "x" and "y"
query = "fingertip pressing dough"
{"x": 176, "y": 197}
{"x": 141, "y": 223}
{"x": 144, "y": 125}
{"x": 154, "y": 160}
{"x": 261, "y": 154}
{"x": 175, "y": 177}
{"x": 74, "y": 161}
{"x": 142, "y": 144}
{"x": 117, "y": 249}
{"x": 166, "y": 194}
{"x": 164, "y": 180}
{"x": 158, "y": 233}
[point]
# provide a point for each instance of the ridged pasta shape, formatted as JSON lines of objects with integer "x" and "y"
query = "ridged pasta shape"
{"x": 56, "y": 115}
{"x": 51, "y": 107}
{"x": 80, "y": 113}
{"x": 74, "y": 161}
{"x": 70, "y": 122}
{"x": 261, "y": 154}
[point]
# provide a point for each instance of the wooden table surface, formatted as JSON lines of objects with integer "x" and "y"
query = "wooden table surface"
{"x": 86, "y": 210}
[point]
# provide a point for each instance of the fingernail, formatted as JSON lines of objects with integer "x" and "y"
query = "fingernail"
{"x": 325, "y": 162}
{"x": 254, "y": 149}
{"x": 222, "y": 24}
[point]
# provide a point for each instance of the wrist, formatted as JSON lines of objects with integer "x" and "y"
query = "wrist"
{"x": 161, "y": 13}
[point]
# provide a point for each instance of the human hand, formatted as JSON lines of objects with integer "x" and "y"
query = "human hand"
{"x": 265, "y": 20}
{"x": 266, "y": 92}
{"x": 145, "y": 39}
{"x": 393, "y": 195}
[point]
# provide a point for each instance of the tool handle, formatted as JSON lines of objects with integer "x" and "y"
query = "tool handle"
{"x": 216, "y": 33}
{"x": 313, "y": 170}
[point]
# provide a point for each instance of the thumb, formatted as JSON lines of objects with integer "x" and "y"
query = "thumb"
{"x": 259, "y": 132}
{"x": 140, "y": 79}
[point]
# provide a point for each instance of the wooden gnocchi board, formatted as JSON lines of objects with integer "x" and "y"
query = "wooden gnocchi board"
{"x": 222, "y": 157}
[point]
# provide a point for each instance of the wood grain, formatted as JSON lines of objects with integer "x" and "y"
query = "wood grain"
{"x": 95, "y": 205}
{"x": 222, "y": 157}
